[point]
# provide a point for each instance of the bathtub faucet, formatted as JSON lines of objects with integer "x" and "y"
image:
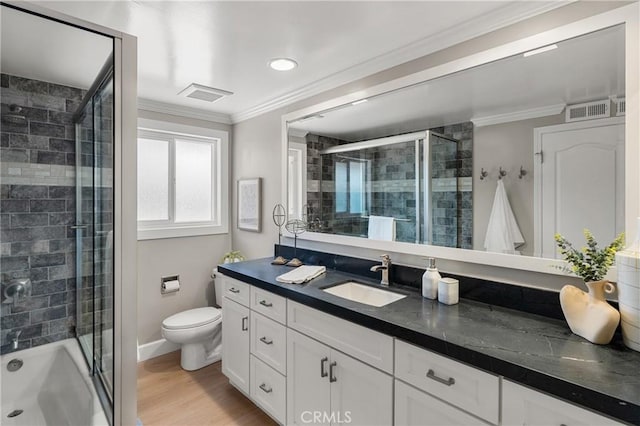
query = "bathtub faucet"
{"x": 384, "y": 267}
{"x": 14, "y": 339}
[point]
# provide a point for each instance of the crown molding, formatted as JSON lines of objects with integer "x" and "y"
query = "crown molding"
{"x": 183, "y": 111}
{"x": 298, "y": 133}
{"x": 486, "y": 23}
{"x": 526, "y": 114}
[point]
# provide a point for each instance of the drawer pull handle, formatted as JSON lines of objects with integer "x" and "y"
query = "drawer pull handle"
{"x": 266, "y": 341}
{"x": 432, "y": 375}
{"x": 244, "y": 323}
{"x": 265, "y": 303}
{"x": 323, "y": 370}
{"x": 265, "y": 389}
{"x": 234, "y": 290}
{"x": 332, "y": 377}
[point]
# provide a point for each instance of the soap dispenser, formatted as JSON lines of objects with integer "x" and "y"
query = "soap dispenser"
{"x": 430, "y": 280}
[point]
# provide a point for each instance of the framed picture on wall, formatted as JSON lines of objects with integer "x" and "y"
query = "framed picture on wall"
{"x": 250, "y": 204}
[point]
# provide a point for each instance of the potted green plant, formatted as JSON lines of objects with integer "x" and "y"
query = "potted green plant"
{"x": 232, "y": 256}
{"x": 588, "y": 314}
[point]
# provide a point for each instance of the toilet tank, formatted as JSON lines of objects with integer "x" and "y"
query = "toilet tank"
{"x": 218, "y": 286}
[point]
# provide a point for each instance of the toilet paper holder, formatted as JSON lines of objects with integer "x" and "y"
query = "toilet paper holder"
{"x": 168, "y": 284}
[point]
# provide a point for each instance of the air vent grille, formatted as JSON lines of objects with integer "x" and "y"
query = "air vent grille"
{"x": 621, "y": 106}
{"x": 588, "y": 111}
{"x": 204, "y": 93}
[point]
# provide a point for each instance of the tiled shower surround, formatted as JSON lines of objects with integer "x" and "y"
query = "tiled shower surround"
{"x": 37, "y": 209}
{"x": 393, "y": 187}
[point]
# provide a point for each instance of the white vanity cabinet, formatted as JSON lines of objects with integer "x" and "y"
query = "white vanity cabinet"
{"x": 235, "y": 343}
{"x": 326, "y": 386}
{"x": 524, "y": 406}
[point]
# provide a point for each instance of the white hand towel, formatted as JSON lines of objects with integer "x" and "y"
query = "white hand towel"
{"x": 301, "y": 274}
{"x": 382, "y": 228}
{"x": 503, "y": 233}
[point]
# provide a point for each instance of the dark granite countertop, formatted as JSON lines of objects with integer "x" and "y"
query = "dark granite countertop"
{"x": 530, "y": 349}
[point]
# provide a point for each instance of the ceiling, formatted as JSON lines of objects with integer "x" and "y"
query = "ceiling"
{"x": 586, "y": 68}
{"x": 227, "y": 44}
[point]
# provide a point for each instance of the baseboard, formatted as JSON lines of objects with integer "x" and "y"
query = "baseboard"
{"x": 154, "y": 349}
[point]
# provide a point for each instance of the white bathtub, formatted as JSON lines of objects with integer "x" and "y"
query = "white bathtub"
{"x": 53, "y": 387}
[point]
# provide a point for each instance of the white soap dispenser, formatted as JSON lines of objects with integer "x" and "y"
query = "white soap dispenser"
{"x": 430, "y": 280}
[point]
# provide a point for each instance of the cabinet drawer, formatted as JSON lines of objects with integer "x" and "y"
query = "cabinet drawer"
{"x": 268, "y": 389}
{"x": 269, "y": 304}
{"x": 466, "y": 387}
{"x": 269, "y": 341}
{"x": 524, "y": 406}
{"x": 416, "y": 408}
{"x": 368, "y": 346}
{"x": 236, "y": 290}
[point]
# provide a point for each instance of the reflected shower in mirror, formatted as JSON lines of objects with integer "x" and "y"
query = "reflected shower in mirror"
{"x": 406, "y": 165}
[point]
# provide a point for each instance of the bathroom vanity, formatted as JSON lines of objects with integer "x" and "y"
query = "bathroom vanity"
{"x": 298, "y": 351}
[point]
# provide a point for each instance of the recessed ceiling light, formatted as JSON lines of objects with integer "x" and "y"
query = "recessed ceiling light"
{"x": 361, "y": 101}
{"x": 282, "y": 64}
{"x": 541, "y": 50}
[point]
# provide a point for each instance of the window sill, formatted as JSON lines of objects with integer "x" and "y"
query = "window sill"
{"x": 180, "y": 231}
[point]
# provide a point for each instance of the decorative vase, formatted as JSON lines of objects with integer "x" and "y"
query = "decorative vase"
{"x": 588, "y": 314}
{"x": 628, "y": 266}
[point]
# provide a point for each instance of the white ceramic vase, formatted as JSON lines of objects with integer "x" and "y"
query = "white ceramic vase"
{"x": 588, "y": 314}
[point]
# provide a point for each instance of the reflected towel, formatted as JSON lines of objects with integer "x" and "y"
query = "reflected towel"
{"x": 382, "y": 228}
{"x": 301, "y": 274}
{"x": 503, "y": 233}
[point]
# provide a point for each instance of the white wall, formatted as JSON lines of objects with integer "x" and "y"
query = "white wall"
{"x": 257, "y": 142}
{"x": 190, "y": 257}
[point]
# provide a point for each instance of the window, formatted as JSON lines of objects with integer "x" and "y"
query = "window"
{"x": 350, "y": 181}
{"x": 182, "y": 180}
{"x": 297, "y": 175}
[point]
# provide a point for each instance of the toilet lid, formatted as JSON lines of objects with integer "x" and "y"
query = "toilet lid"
{"x": 192, "y": 318}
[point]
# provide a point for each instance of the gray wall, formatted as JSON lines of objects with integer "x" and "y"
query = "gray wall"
{"x": 509, "y": 145}
{"x": 257, "y": 142}
{"x": 192, "y": 258}
{"x": 37, "y": 205}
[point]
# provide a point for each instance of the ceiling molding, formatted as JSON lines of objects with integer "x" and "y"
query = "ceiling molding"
{"x": 298, "y": 133}
{"x": 507, "y": 15}
{"x": 183, "y": 111}
{"x": 518, "y": 115}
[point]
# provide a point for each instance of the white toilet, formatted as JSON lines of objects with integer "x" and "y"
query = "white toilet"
{"x": 199, "y": 331}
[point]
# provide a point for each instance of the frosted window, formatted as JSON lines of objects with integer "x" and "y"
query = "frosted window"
{"x": 295, "y": 184}
{"x": 153, "y": 179}
{"x": 341, "y": 187}
{"x": 356, "y": 187}
{"x": 193, "y": 181}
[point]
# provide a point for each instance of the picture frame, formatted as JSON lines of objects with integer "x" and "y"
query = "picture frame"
{"x": 250, "y": 204}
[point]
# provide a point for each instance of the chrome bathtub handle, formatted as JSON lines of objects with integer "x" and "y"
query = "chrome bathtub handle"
{"x": 266, "y": 341}
{"x": 432, "y": 375}
{"x": 265, "y": 388}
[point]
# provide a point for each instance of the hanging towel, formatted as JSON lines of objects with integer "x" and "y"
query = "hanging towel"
{"x": 503, "y": 233}
{"x": 382, "y": 228}
{"x": 301, "y": 274}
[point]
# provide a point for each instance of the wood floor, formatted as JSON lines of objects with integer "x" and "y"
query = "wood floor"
{"x": 171, "y": 396}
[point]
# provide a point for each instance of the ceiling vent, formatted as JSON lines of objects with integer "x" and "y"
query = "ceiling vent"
{"x": 621, "y": 106}
{"x": 204, "y": 93}
{"x": 588, "y": 110}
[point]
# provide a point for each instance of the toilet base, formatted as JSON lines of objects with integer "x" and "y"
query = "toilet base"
{"x": 195, "y": 356}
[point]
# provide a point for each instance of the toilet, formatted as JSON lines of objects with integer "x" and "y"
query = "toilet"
{"x": 199, "y": 332}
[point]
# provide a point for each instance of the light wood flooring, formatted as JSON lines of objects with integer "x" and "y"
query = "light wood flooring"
{"x": 171, "y": 396}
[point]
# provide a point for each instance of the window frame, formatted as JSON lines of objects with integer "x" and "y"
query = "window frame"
{"x": 365, "y": 200}
{"x": 219, "y": 141}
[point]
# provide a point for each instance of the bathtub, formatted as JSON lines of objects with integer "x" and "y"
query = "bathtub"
{"x": 53, "y": 387}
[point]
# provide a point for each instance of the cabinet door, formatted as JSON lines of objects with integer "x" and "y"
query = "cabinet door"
{"x": 416, "y": 408}
{"x": 308, "y": 390}
{"x": 235, "y": 344}
{"x": 360, "y": 394}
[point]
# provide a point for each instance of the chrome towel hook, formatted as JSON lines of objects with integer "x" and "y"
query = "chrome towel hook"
{"x": 501, "y": 173}
{"x": 483, "y": 173}
{"x": 523, "y": 173}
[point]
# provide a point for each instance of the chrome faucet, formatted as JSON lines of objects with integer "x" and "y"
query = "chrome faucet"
{"x": 384, "y": 267}
{"x": 14, "y": 339}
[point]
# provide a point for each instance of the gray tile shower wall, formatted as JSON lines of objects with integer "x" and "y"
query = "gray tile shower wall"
{"x": 37, "y": 207}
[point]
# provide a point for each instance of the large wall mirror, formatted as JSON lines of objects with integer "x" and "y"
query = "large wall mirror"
{"x": 492, "y": 158}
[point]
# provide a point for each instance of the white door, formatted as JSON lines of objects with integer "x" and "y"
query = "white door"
{"x": 235, "y": 343}
{"x": 308, "y": 391}
{"x": 360, "y": 394}
{"x": 579, "y": 183}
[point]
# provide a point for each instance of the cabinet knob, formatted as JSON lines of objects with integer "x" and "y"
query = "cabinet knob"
{"x": 265, "y": 303}
{"x": 266, "y": 341}
{"x": 265, "y": 388}
{"x": 332, "y": 377}
{"x": 432, "y": 375}
{"x": 323, "y": 371}
{"x": 244, "y": 323}
{"x": 234, "y": 290}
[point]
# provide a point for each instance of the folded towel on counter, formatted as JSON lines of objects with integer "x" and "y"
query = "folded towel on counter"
{"x": 301, "y": 274}
{"x": 503, "y": 234}
{"x": 382, "y": 228}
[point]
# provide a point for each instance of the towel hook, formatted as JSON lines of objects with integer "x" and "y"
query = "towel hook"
{"x": 501, "y": 173}
{"x": 523, "y": 173}
{"x": 483, "y": 173}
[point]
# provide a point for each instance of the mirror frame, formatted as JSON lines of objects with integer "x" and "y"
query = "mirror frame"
{"x": 627, "y": 15}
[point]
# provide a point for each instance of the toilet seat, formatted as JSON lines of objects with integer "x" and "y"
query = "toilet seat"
{"x": 192, "y": 318}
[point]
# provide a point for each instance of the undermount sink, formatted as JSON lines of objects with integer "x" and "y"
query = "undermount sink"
{"x": 364, "y": 294}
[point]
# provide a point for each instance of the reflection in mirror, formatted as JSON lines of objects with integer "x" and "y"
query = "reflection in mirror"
{"x": 405, "y": 165}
